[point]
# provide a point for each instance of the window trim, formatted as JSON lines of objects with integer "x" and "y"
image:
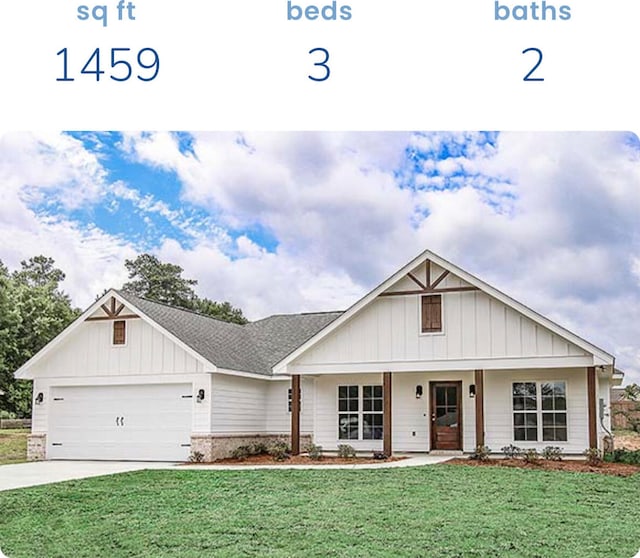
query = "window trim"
{"x": 539, "y": 412}
{"x": 113, "y": 333}
{"x": 360, "y": 412}
{"x": 420, "y": 306}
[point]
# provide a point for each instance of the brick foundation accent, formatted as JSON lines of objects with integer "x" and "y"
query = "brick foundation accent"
{"x": 36, "y": 447}
{"x": 216, "y": 446}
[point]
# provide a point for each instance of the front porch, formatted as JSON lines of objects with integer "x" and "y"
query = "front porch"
{"x": 450, "y": 411}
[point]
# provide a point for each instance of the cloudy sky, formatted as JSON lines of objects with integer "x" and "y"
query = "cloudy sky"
{"x": 289, "y": 222}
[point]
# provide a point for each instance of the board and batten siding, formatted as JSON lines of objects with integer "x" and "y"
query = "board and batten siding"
{"x": 498, "y": 407}
{"x": 89, "y": 352}
{"x": 475, "y": 325}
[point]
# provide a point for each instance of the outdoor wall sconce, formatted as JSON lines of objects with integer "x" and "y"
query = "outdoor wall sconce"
{"x": 39, "y": 398}
{"x": 472, "y": 390}
{"x": 418, "y": 392}
{"x": 200, "y": 396}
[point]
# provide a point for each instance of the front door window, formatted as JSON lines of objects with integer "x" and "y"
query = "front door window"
{"x": 446, "y": 431}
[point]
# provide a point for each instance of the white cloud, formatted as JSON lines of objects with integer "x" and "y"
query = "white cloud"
{"x": 54, "y": 168}
{"x": 551, "y": 219}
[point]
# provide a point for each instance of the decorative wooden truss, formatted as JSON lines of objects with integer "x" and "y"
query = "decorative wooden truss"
{"x": 430, "y": 287}
{"x": 113, "y": 312}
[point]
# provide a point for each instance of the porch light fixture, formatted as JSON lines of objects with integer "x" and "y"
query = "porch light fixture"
{"x": 472, "y": 390}
{"x": 39, "y": 398}
{"x": 418, "y": 391}
{"x": 200, "y": 396}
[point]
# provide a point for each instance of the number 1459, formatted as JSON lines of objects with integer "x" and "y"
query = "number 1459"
{"x": 121, "y": 65}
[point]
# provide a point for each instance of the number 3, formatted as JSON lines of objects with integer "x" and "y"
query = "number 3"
{"x": 323, "y": 64}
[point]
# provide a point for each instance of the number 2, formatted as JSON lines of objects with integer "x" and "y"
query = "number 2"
{"x": 323, "y": 64}
{"x": 535, "y": 67}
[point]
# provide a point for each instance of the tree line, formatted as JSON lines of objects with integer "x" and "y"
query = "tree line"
{"x": 34, "y": 309}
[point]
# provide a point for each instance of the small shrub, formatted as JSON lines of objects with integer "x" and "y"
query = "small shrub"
{"x": 7, "y": 415}
{"x": 279, "y": 450}
{"x": 314, "y": 451}
{"x": 552, "y": 453}
{"x": 241, "y": 452}
{"x": 380, "y": 455}
{"x": 258, "y": 448}
{"x": 511, "y": 451}
{"x": 623, "y": 455}
{"x": 346, "y": 451}
{"x": 481, "y": 453}
{"x": 531, "y": 456}
{"x": 196, "y": 457}
{"x": 593, "y": 455}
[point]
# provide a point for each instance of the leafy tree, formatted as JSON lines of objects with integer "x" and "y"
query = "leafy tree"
{"x": 632, "y": 392}
{"x": 33, "y": 310}
{"x": 163, "y": 282}
{"x": 220, "y": 310}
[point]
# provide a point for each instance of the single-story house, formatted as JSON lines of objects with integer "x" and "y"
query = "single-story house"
{"x": 433, "y": 359}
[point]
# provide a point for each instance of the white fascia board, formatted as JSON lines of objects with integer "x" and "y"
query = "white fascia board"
{"x": 243, "y": 374}
{"x": 208, "y": 366}
{"x": 443, "y": 365}
{"x": 602, "y": 356}
{"x": 281, "y": 367}
{"x": 23, "y": 372}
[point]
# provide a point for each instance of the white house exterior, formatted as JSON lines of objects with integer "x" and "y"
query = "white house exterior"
{"x": 433, "y": 359}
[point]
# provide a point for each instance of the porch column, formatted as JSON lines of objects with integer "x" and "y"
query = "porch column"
{"x": 295, "y": 414}
{"x": 479, "y": 381}
{"x": 386, "y": 410}
{"x": 591, "y": 406}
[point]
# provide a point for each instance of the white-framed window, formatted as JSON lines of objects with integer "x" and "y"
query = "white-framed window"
{"x": 539, "y": 411}
{"x": 360, "y": 412}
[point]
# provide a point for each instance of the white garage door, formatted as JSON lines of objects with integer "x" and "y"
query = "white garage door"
{"x": 138, "y": 422}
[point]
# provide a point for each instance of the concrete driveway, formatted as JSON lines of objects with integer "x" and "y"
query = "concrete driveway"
{"x": 22, "y": 475}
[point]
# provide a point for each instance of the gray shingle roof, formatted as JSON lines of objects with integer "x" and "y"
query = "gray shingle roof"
{"x": 255, "y": 347}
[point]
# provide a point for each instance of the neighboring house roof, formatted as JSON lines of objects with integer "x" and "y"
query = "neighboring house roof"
{"x": 254, "y": 347}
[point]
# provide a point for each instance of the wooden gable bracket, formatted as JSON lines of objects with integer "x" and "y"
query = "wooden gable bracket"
{"x": 429, "y": 287}
{"x": 112, "y": 312}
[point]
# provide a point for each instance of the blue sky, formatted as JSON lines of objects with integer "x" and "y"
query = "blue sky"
{"x": 287, "y": 222}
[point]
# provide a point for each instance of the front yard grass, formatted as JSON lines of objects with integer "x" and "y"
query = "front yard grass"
{"x": 434, "y": 511}
{"x": 13, "y": 445}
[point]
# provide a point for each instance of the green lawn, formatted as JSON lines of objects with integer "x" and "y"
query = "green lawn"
{"x": 13, "y": 446}
{"x": 443, "y": 510}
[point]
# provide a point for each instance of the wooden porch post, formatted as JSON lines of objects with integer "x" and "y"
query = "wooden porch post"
{"x": 386, "y": 410}
{"x": 479, "y": 381}
{"x": 591, "y": 406}
{"x": 295, "y": 414}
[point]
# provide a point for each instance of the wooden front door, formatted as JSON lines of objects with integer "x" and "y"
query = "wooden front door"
{"x": 446, "y": 415}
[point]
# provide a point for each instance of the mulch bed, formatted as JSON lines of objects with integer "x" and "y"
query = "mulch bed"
{"x": 576, "y": 466}
{"x": 300, "y": 460}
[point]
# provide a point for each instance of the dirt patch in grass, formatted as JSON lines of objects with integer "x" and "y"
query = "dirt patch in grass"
{"x": 572, "y": 465}
{"x": 13, "y": 446}
{"x": 264, "y": 459}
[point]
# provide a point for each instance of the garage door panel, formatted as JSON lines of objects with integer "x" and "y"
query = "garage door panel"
{"x": 141, "y": 422}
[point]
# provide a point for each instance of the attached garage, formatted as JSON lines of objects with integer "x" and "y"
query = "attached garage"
{"x": 150, "y": 422}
